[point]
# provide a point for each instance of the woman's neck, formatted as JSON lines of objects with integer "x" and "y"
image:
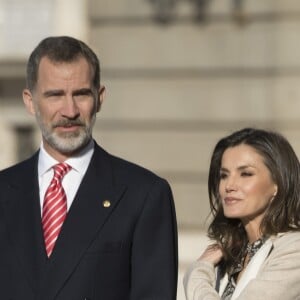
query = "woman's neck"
{"x": 253, "y": 231}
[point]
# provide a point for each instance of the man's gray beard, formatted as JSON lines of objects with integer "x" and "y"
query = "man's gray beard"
{"x": 68, "y": 142}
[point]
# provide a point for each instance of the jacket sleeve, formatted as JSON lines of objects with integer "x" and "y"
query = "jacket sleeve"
{"x": 199, "y": 282}
{"x": 154, "y": 249}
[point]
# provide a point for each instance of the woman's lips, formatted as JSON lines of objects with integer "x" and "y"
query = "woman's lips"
{"x": 231, "y": 200}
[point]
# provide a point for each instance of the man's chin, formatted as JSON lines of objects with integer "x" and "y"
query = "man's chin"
{"x": 65, "y": 136}
{"x": 69, "y": 144}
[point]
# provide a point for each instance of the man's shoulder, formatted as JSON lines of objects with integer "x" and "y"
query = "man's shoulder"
{"x": 132, "y": 169}
{"x": 22, "y": 167}
{"x": 126, "y": 170}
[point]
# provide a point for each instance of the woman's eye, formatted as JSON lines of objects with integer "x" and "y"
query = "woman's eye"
{"x": 246, "y": 174}
{"x": 223, "y": 175}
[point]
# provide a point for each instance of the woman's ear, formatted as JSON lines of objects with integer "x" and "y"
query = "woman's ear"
{"x": 276, "y": 189}
{"x": 274, "y": 193}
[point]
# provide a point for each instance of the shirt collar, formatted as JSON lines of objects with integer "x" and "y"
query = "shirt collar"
{"x": 79, "y": 162}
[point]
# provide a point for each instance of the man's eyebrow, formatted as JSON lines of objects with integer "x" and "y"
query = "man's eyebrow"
{"x": 83, "y": 91}
{"x": 50, "y": 93}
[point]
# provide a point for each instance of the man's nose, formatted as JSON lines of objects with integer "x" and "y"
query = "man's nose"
{"x": 70, "y": 108}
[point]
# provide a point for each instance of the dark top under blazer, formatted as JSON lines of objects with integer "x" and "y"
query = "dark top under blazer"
{"x": 125, "y": 251}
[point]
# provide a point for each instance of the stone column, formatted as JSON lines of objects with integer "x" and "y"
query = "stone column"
{"x": 70, "y": 18}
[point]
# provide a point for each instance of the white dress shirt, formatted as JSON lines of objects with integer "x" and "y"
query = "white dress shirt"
{"x": 71, "y": 180}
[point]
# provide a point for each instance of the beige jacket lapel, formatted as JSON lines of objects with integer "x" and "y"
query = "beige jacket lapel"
{"x": 251, "y": 270}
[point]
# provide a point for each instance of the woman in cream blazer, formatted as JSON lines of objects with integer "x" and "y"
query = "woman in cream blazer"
{"x": 273, "y": 273}
{"x": 254, "y": 192}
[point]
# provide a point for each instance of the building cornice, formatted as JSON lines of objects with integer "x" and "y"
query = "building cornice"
{"x": 12, "y": 68}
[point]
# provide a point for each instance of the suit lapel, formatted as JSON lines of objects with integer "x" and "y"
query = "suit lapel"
{"x": 23, "y": 218}
{"x": 85, "y": 219}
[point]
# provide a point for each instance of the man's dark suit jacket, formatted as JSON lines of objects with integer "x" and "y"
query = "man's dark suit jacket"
{"x": 125, "y": 251}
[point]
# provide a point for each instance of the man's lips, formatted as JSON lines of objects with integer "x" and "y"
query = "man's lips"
{"x": 68, "y": 126}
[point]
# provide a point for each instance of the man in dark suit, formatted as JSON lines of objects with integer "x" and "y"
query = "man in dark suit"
{"x": 76, "y": 222}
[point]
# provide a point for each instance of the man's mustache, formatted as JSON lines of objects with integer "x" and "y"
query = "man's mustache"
{"x": 66, "y": 123}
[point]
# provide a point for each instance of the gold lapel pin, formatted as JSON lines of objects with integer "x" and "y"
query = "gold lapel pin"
{"x": 106, "y": 203}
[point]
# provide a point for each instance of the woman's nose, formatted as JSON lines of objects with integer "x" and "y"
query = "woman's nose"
{"x": 230, "y": 185}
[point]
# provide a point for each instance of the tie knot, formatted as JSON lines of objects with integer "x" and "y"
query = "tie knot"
{"x": 60, "y": 170}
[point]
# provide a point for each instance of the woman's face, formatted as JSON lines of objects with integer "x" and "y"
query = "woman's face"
{"x": 246, "y": 186}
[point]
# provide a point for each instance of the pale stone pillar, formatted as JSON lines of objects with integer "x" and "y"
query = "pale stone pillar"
{"x": 70, "y": 18}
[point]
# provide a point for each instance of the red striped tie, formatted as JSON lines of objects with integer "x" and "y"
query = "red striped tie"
{"x": 54, "y": 207}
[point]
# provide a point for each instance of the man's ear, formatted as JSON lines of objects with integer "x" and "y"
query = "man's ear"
{"x": 101, "y": 97}
{"x": 28, "y": 101}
